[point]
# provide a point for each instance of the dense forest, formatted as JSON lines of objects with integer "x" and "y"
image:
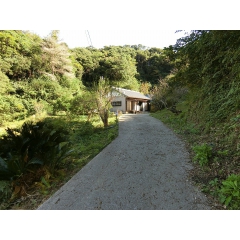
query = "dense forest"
{"x": 194, "y": 83}
{"x": 43, "y": 74}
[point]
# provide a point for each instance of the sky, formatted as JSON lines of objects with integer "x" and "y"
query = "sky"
{"x": 151, "y": 23}
{"x": 101, "y": 38}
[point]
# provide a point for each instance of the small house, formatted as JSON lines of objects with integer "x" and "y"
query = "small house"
{"x": 129, "y": 101}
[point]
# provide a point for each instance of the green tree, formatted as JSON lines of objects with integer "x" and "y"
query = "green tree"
{"x": 15, "y": 52}
{"x": 102, "y": 96}
{"x": 153, "y": 64}
{"x": 83, "y": 104}
{"x": 114, "y": 63}
{"x": 6, "y": 86}
{"x": 88, "y": 59}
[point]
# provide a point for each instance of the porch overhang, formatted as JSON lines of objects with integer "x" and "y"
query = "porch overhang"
{"x": 137, "y": 99}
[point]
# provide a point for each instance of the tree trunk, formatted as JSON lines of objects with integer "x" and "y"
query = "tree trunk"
{"x": 89, "y": 116}
{"x": 105, "y": 123}
{"x": 104, "y": 117}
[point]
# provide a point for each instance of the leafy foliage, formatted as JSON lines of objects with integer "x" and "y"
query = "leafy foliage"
{"x": 33, "y": 144}
{"x": 124, "y": 66}
{"x": 217, "y": 159}
{"x": 230, "y": 192}
{"x": 6, "y": 86}
{"x": 12, "y": 108}
{"x": 202, "y": 154}
{"x": 113, "y": 63}
{"x": 102, "y": 96}
{"x": 5, "y": 191}
{"x": 209, "y": 67}
{"x": 34, "y": 70}
{"x": 20, "y": 53}
{"x": 83, "y": 104}
{"x": 152, "y": 65}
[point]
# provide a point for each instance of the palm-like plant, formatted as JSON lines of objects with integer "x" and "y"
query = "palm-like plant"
{"x": 32, "y": 145}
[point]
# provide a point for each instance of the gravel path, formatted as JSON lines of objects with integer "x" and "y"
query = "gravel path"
{"x": 145, "y": 167}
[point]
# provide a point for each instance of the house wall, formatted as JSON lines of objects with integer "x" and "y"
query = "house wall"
{"x": 119, "y": 108}
{"x": 144, "y": 106}
{"x": 128, "y": 106}
{"x": 135, "y": 106}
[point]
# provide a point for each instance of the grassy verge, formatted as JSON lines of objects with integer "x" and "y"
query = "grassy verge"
{"x": 215, "y": 154}
{"x": 87, "y": 140}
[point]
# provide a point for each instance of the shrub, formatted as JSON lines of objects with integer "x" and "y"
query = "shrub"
{"x": 230, "y": 192}
{"x": 11, "y": 108}
{"x": 63, "y": 102}
{"x": 202, "y": 154}
{"x": 86, "y": 128}
{"x": 32, "y": 145}
{"x": 5, "y": 83}
{"x": 5, "y": 191}
{"x": 44, "y": 89}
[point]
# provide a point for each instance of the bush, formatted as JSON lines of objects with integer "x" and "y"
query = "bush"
{"x": 5, "y": 190}
{"x": 83, "y": 104}
{"x": 11, "y": 108}
{"x": 5, "y": 83}
{"x": 5, "y": 194}
{"x": 63, "y": 103}
{"x": 33, "y": 145}
{"x": 44, "y": 89}
{"x": 202, "y": 154}
{"x": 86, "y": 128}
{"x": 230, "y": 192}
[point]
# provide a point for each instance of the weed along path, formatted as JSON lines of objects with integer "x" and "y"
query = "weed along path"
{"x": 145, "y": 167}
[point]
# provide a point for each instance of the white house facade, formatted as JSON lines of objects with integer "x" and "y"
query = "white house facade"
{"x": 129, "y": 101}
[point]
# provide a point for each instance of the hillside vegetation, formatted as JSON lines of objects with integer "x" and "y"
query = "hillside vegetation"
{"x": 206, "y": 92}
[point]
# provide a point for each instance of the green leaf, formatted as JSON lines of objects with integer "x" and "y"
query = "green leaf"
{"x": 222, "y": 198}
{"x": 236, "y": 193}
{"x": 2, "y": 163}
{"x": 228, "y": 200}
{"x": 68, "y": 152}
{"x": 5, "y": 174}
{"x": 35, "y": 160}
{"x": 43, "y": 180}
{"x": 228, "y": 184}
{"x": 52, "y": 132}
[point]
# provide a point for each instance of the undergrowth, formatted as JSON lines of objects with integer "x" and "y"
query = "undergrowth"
{"x": 215, "y": 152}
{"x": 35, "y": 175}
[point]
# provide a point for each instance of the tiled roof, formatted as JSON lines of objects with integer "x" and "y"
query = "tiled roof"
{"x": 131, "y": 93}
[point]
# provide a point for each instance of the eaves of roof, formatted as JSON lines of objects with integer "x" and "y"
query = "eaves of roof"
{"x": 131, "y": 93}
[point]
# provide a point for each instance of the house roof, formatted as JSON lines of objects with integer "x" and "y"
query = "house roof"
{"x": 131, "y": 93}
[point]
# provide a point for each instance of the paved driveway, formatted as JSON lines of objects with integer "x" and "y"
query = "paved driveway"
{"x": 145, "y": 167}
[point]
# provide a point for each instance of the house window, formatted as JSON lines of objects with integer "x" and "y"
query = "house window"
{"x": 117, "y": 103}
